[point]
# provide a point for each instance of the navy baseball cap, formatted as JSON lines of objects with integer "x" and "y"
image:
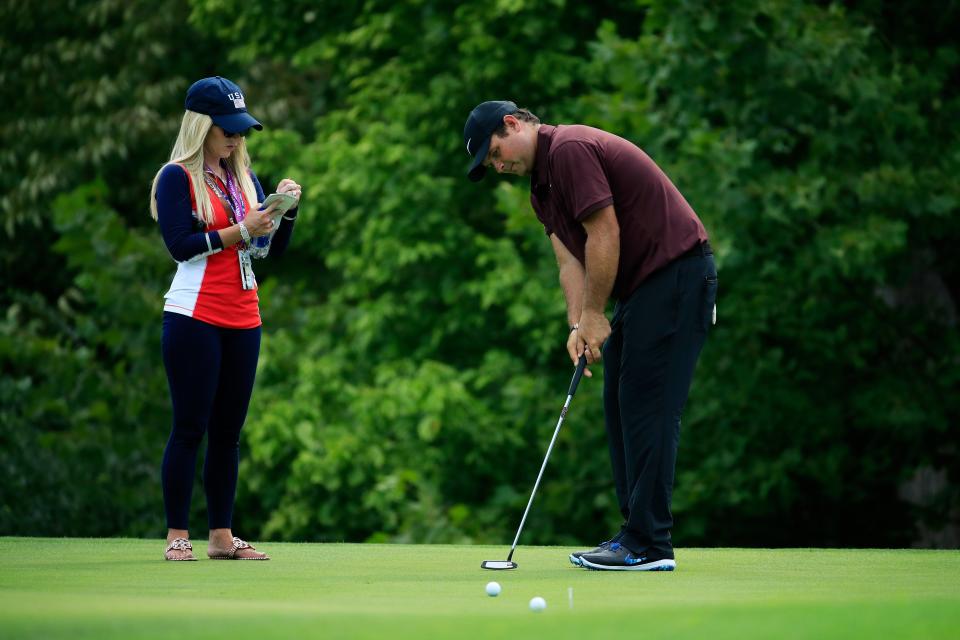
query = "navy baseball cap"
{"x": 222, "y": 100}
{"x": 481, "y": 123}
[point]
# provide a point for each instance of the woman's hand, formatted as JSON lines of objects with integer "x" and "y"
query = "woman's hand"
{"x": 259, "y": 223}
{"x": 289, "y": 186}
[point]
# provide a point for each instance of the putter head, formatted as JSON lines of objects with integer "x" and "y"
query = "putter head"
{"x": 498, "y": 564}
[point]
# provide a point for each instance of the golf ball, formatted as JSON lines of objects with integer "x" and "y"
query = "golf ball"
{"x": 537, "y": 604}
{"x": 493, "y": 589}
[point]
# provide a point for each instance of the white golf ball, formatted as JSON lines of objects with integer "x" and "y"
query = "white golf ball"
{"x": 493, "y": 589}
{"x": 537, "y": 604}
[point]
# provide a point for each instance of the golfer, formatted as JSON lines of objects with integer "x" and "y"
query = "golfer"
{"x": 206, "y": 200}
{"x": 620, "y": 229}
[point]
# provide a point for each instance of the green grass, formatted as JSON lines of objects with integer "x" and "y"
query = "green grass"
{"x": 120, "y": 588}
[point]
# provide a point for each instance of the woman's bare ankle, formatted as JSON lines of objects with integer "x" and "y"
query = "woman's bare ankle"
{"x": 173, "y": 534}
{"x": 221, "y": 538}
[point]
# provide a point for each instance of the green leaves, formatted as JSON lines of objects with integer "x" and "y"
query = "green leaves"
{"x": 85, "y": 414}
{"x": 413, "y": 360}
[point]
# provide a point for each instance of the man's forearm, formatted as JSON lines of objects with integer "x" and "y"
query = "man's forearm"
{"x": 602, "y": 258}
{"x": 571, "y": 279}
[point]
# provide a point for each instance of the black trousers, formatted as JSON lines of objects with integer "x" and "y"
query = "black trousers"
{"x": 210, "y": 371}
{"x": 649, "y": 359}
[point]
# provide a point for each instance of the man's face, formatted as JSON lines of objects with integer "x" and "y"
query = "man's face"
{"x": 513, "y": 153}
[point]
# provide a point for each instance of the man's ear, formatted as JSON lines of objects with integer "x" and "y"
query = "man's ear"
{"x": 512, "y": 122}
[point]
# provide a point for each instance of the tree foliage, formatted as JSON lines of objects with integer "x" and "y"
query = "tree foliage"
{"x": 413, "y": 363}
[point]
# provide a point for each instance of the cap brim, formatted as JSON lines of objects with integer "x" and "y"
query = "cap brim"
{"x": 477, "y": 170}
{"x": 237, "y": 122}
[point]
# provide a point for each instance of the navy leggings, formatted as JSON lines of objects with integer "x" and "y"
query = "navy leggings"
{"x": 210, "y": 371}
{"x": 648, "y": 361}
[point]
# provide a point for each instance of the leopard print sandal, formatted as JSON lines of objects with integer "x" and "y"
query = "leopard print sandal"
{"x": 179, "y": 544}
{"x": 231, "y": 553}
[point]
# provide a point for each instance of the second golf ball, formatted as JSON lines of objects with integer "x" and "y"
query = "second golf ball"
{"x": 493, "y": 589}
{"x": 537, "y": 604}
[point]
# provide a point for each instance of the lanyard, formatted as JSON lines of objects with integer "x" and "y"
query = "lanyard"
{"x": 247, "y": 279}
{"x": 232, "y": 198}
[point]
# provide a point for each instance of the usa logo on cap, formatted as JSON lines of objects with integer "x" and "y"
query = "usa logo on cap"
{"x": 237, "y": 98}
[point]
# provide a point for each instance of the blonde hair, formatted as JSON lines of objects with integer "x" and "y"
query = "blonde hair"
{"x": 188, "y": 151}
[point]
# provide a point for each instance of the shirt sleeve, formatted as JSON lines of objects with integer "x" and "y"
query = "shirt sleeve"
{"x": 259, "y": 189}
{"x": 182, "y": 231}
{"x": 577, "y": 173}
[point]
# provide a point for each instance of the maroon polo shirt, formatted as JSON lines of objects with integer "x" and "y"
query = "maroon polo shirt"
{"x": 579, "y": 170}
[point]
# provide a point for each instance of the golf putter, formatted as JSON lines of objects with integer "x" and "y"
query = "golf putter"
{"x": 509, "y": 563}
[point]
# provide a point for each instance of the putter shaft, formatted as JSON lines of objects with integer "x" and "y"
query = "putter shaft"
{"x": 566, "y": 405}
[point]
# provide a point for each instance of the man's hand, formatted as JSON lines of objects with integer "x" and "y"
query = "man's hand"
{"x": 574, "y": 348}
{"x": 594, "y": 329}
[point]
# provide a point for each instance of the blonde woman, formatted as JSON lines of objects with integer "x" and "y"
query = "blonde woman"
{"x": 207, "y": 201}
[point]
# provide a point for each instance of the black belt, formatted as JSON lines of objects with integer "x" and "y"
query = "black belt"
{"x": 700, "y": 249}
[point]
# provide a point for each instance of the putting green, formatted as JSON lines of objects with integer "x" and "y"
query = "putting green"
{"x": 121, "y": 588}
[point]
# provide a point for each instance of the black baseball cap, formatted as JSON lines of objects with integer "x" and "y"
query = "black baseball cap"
{"x": 223, "y": 101}
{"x": 481, "y": 123}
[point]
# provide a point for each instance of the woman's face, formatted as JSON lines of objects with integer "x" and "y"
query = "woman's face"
{"x": 220, "y": 143}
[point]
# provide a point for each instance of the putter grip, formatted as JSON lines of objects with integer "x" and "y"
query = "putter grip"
{"x": 577, "y": 375}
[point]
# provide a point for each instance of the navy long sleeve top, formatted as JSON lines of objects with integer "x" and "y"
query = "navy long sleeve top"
{"x": 184, "y": 235}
